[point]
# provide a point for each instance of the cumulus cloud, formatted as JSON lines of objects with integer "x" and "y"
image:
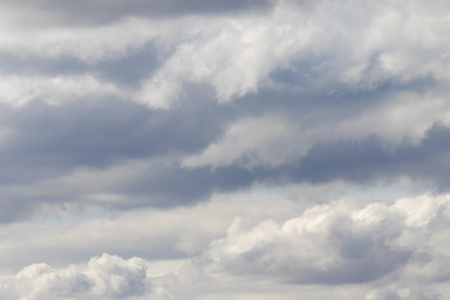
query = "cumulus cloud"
{"x": 176, "y": 107}
{"x": 326, "y": 245}
{"x": 392, "y": 249}
{"x": 105, "y": 277}
{"x": 175, "y": 233}
{"x": 386, "y": 251}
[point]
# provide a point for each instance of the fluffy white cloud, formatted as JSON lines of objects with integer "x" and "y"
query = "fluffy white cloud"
{"x": 233, "y": 55}
{"x": 105, "y": 277}
{"x": 327, "y": 244}
{"x": 374, "y": 43}
{"x": 386, "y": 251}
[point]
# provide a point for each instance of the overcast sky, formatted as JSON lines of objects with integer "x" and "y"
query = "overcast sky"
{"x": 224, "y": 149}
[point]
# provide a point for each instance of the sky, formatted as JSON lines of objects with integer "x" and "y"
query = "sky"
{"x": 224, "y": 149}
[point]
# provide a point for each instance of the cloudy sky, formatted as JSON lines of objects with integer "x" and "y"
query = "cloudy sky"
{"x": 224, "y": 149}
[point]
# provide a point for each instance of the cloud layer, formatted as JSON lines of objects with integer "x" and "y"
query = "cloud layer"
{"x": 272, "y": 148}
{"x": 347, "y": 247}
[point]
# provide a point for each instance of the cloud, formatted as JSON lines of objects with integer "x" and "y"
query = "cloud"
{"x": 274, "y": 140}
{"x": 388, "y": 249}
{"x": 245, "y": 140}
{"x": 323, "y": 51}
{"x": 105, "y": 277}
{"x": 130, "y": 127}
{"x": 105, "y": 152}
{"x": 73, "y": 235}
{"x": 372, "y": 159}
{"x": 234, "y": 56}
{"x": 97, "y": 12}
{"x": 18, "y": 91}
{"x": 323, "y": 246}
{"x": 384, "y": 251}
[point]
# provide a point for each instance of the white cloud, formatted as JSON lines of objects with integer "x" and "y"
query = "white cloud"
{"x": 19, "y": 91}
{"x": 284, "y": 80}
{"x": 271, "y": 140}
{"x": 324, "y": 245}
{"x": 405, "y": 115}
{"x": 385, "y": 250}
{"x": 171, "y": 233}
{"x": 362, "y": 45}
{"x": 421, "y": 210}
{"x": 268, "y": 140}
{"x": 400, "y": 242}
{"x": 106, "y": 277}
{"x": 233, "y": 55}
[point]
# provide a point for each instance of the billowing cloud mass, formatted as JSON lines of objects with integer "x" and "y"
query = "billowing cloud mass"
{"x": 277, "y": 149}
{"x": 105, "y": 277}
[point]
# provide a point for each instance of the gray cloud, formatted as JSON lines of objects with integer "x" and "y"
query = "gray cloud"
{"x": 125, "y": 71}
{"x": 114, "y": 106}
{"x": 370, "y": 159}
{"x": 101, "y": 12}
{"x": 51, "y": 141}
